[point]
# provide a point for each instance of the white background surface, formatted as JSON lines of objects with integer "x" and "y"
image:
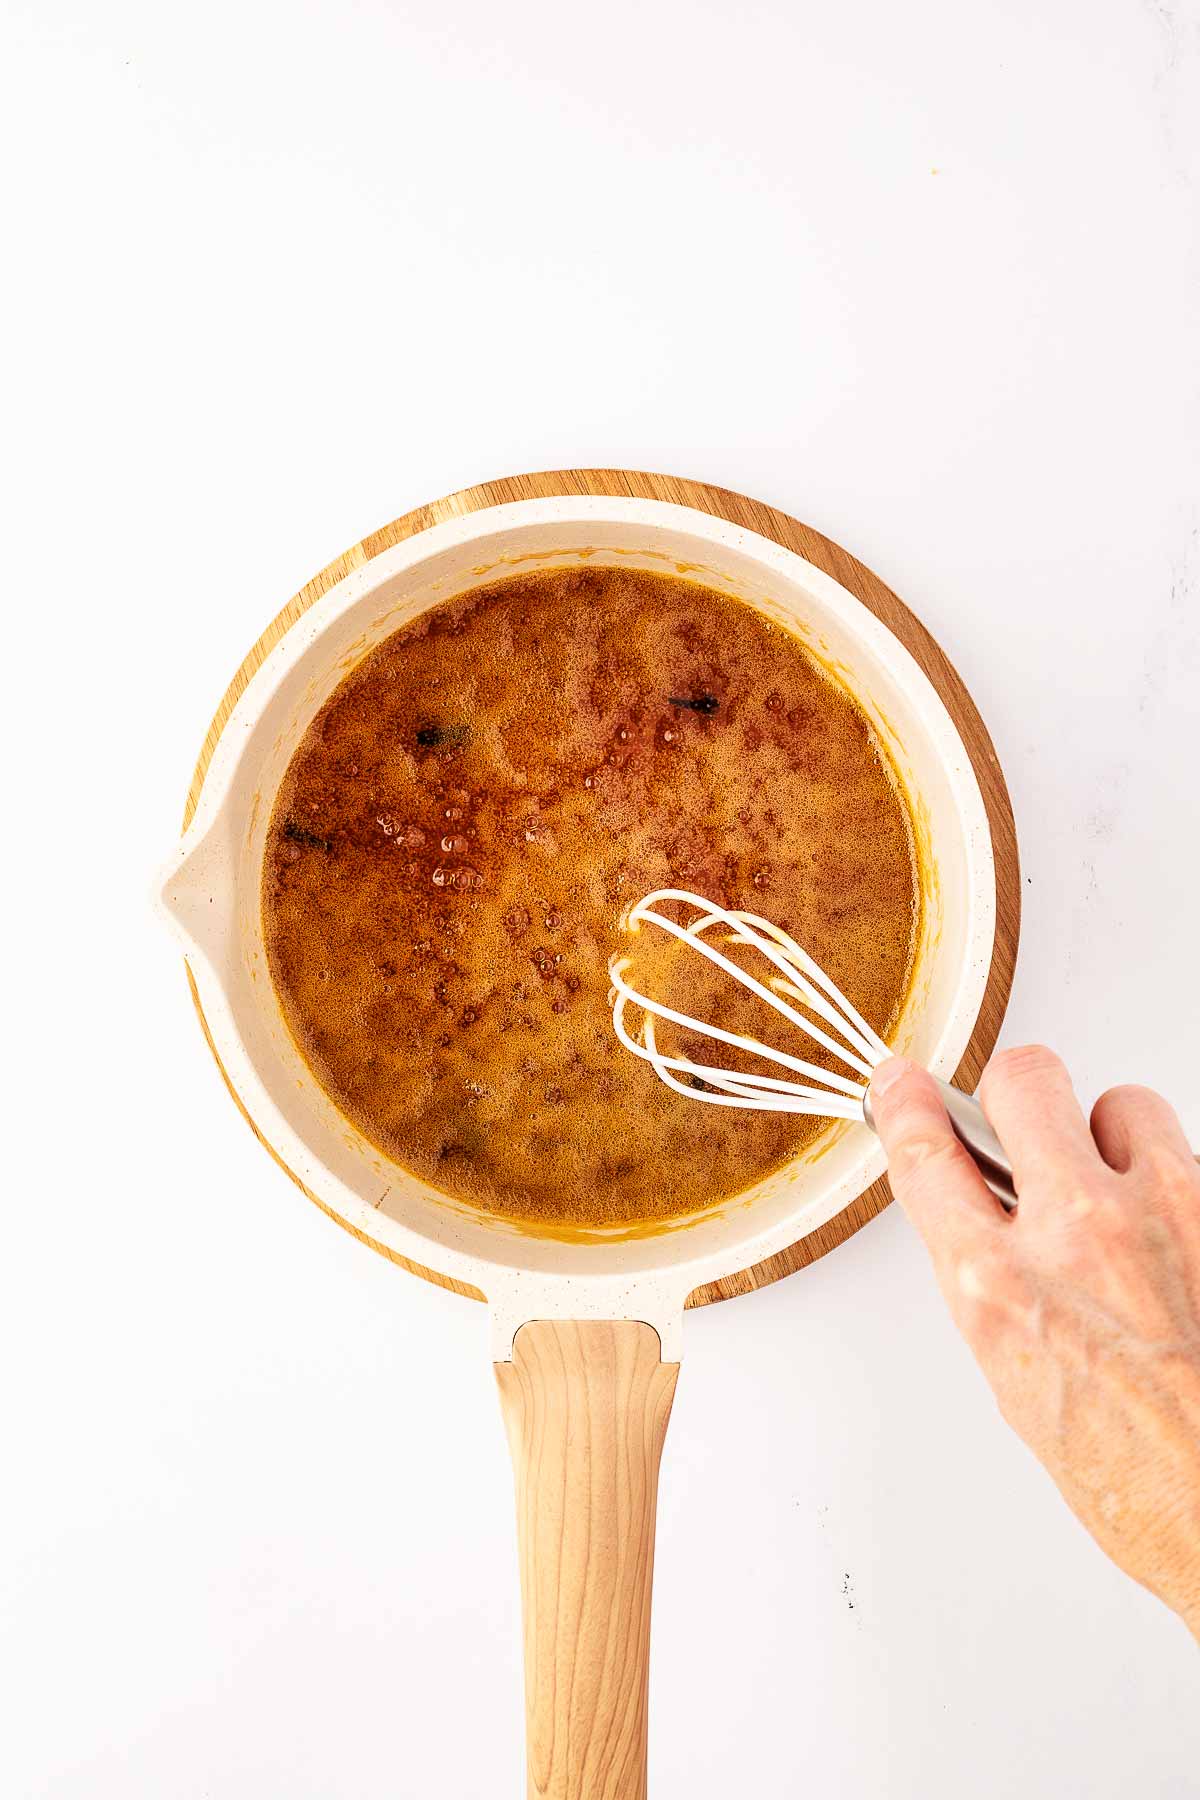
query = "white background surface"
{"x": 925, "y": 276}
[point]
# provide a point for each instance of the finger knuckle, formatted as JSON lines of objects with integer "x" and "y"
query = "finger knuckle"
{"x": 1127, "y": 1100}
{"x": 1127, "y": 1093}
{"x": 1075, "y": 1207}
{"x": 1173, "y": 1175}
{"x": 1022, "y": 1062}
{"x": 1095, "y": 1225}
{"x": 985, "y": 1295}
{"x": 984, "y": 1277}
{"x": 927, "y": 1157}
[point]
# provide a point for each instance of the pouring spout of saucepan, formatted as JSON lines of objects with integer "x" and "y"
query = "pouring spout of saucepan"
{"x": 194, "y": 895}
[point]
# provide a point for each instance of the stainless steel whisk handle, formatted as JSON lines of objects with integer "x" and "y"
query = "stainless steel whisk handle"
{"x": 975, "y": 1135}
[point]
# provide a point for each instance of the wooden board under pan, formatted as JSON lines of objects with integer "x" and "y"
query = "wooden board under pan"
{"x": 586, "y": 1336}
{"x": 866, "y": 587}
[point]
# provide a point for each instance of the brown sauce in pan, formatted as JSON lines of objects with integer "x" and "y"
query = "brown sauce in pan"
{"x": 464, "y": 823}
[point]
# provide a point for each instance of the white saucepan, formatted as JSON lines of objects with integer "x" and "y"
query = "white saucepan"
{"x": 587, "y": 1333}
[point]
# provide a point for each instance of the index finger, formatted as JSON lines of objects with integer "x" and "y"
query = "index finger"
{"x": 931, "y": 1174}
{"x": 1027, "y": 1095}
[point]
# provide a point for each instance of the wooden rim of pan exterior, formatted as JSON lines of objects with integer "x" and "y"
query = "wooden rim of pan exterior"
{"x": 853, "y": 575}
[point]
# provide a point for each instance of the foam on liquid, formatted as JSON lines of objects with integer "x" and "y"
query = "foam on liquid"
{"x": 466, "y": 819}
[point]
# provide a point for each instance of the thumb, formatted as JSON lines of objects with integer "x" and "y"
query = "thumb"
{"x": 931, "y": 1174}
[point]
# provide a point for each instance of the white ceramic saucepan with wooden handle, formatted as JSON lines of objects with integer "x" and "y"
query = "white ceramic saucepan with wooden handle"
{"x": 586, "y": 1333}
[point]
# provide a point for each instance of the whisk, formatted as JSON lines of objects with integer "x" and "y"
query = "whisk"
{"x": 791, "y": 976}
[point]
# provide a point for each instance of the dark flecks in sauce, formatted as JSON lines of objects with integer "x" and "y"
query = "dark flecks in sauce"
{"x": 453, "y": 1001}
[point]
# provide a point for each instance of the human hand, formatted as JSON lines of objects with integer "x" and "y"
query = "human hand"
{"x": 1083, "y": 1309}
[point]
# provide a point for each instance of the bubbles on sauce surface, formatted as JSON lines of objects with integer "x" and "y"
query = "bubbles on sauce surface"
{"x": 465, "y": 879}
{"x": 539, "y": 753}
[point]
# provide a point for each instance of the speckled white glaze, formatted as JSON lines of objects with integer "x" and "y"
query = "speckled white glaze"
{"x": 211, "y": 894}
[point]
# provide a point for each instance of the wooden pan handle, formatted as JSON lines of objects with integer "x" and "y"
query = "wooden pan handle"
{"x": 586, "y": 1407}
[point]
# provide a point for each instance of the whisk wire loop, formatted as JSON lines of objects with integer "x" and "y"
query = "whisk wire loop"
{"x": 825, "y": 1091}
